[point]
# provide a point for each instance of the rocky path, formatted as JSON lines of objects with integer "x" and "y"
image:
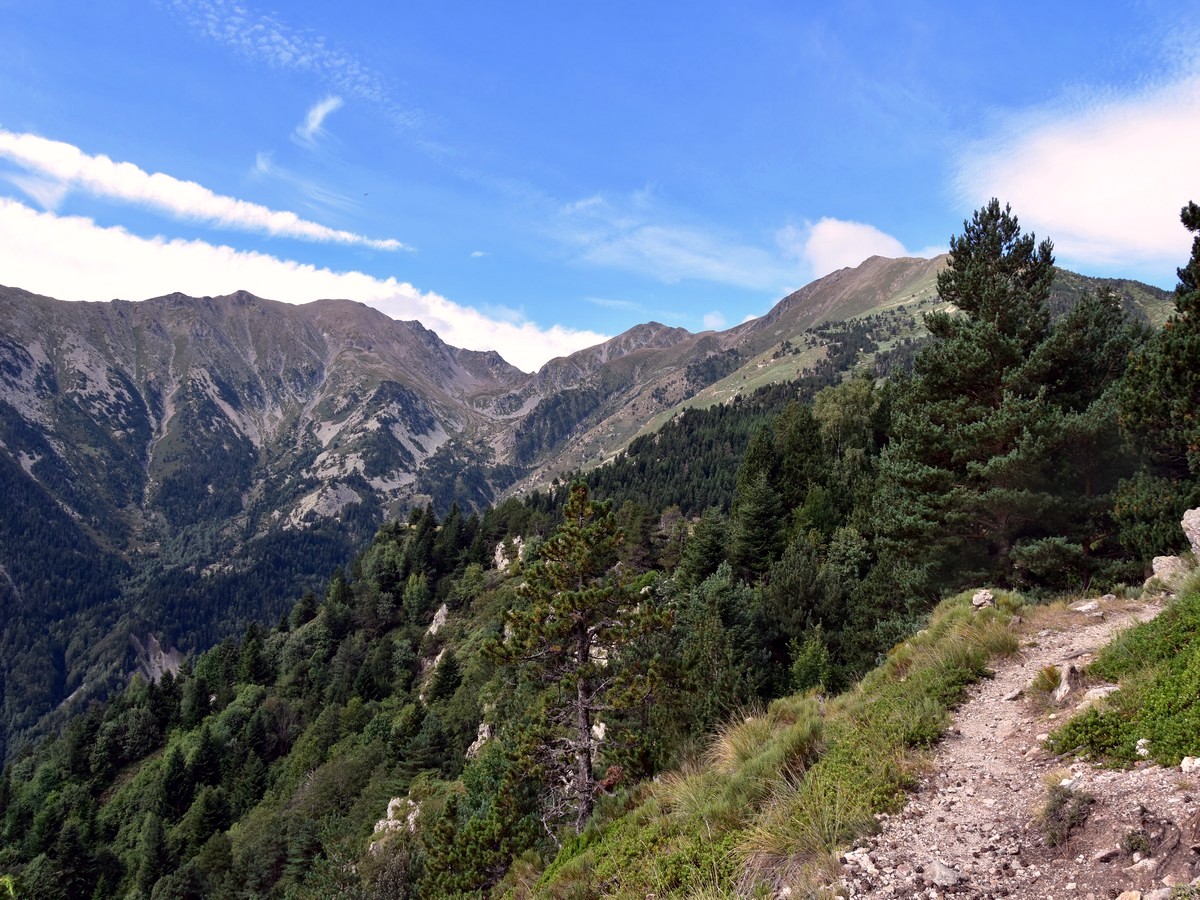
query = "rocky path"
{"x": 972, "y": 828}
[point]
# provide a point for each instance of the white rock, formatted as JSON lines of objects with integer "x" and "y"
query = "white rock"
{"x": 1086, "y": 606}
{"x": 1066, "y": 674}
{"x": 1190, "y": 765}
{"x": 439, "y": 619}
{"x": 943, "y": 875}
{"x": 482, "y": 736}
{"x": 1169, "y": 571}
{"x": 1191, "y": 528}
{"x": 983, "y": 598}
{"x": 862, "y": 859}
{"x": 1096, "y": 695}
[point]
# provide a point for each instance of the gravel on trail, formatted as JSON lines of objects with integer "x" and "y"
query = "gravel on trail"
{"x": 972, "y": 828}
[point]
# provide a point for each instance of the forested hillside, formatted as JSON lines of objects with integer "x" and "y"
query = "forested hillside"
{"x": 474, "y": 706}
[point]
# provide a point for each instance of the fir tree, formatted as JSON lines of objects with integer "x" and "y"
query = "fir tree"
{"x": 758, "y": 527}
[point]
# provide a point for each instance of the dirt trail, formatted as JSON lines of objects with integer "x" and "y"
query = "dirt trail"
{"x": 972, "y": 830}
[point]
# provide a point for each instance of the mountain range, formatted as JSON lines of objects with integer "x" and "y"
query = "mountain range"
{"x": 176, "y": 468}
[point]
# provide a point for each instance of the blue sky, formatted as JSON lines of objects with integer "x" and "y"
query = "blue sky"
{"x": 532, "y": 177}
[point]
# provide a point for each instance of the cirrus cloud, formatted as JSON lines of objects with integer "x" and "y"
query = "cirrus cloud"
{"x": 314, "y": 120}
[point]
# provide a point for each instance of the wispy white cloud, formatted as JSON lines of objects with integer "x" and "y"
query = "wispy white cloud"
{"x": 714, "y": 321}
{"x": 68, "y": 167}
{"x": 1103, "y": 176}
{"x": 628, "y": 236}
{"x": 317, "y": 195}
{"x": 479, "y": 254}
{"x": 75, "y": 259}
{"x": 314, "y": 120}
{"x": 268, "y": 39}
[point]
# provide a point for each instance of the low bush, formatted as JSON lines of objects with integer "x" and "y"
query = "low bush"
{"x": 1158, "y": 666}
{"x": 1065, "y": 811}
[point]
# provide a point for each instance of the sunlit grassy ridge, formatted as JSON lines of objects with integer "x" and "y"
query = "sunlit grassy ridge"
{"x": 778, "y": 792}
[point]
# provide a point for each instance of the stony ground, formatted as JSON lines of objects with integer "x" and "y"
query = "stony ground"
{"x": 972, "y": 829}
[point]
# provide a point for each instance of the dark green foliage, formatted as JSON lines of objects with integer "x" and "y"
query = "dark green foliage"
{"x": 1160, "y": 411}
{"x": 702, "y": 372}
{"x": 722, "y": 664}
{"x": 691, "y": 462}
{"x": 553, "y": 420}
{"x": 758, "y": 532}
{"x": 577, "y": 616}
{"x": 811, "y": 666}
{"x": 705, "y": 549}
{"x": 1001, "y": 464}
{"x": 446, "y": 678}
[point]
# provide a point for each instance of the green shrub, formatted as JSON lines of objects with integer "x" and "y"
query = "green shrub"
{"x": 1158, "y": 664}
{"x": 1065, "y": 810}
{"x": 1136, "y": 841}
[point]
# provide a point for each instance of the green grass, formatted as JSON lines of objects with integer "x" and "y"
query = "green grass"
{"x": 777, "y": 794}
{"x": 1157, "y": 665}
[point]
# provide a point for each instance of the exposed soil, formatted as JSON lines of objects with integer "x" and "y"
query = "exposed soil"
{"x": 973, "y": 828}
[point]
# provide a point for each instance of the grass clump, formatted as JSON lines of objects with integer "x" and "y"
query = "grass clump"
{"x": 1158, "y": 666}
{"x": 1136, "y": 841}
{"x": 1047, "y": 680}
{"x": 1065, "y": 811}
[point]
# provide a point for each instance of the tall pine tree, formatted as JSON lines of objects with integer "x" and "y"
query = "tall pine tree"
{"x": 569, "y": 635}
{"x": 975, "y": 485}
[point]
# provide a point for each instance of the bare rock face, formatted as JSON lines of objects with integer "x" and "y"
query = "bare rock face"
{"x": 1169, "y": 572}
{"x": 1191, "y": 528}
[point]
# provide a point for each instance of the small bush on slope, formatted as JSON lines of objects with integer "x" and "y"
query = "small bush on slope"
{"x": 1158, "y": 666}
{"x": 781, "y": 791}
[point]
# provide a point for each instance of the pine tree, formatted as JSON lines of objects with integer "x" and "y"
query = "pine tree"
{"x": 152, "y": 856}
{"x": 446, "y": 678}
{"x": 976, "y": 482}
{"x": 205, "y": 763}
{"x": 759, "y": 527}
{"x": 175, "y": 785}
{"x": 578, "y": 617}
{"x": 705, "y": 549}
